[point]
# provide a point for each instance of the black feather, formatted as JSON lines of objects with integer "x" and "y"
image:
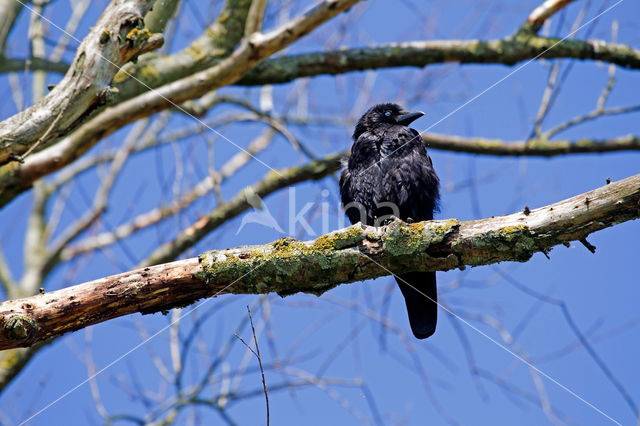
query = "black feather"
{"x": 390, "y": 173}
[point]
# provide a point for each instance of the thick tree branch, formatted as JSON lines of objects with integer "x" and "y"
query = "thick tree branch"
{"x": 216, "y": 43}
{"x": 319, "y": 169}
{"x": 16, "y": 178}
{"x": 226, "y": 72}
{"x": 507, "y": 51}
{"x": 40, "y": 64}
{"x": 255, "y": 17}
{"x": 288, "y": 266}
{"x": 117, "y": 38}
{"x": 271, "y": 183}
{"x": 533, "y": 148}
{"x": 158, "y": 17}
{"x": 9, "y": 11}
{"x": 149, "y": 218}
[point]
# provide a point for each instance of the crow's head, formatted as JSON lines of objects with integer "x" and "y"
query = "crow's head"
{"x": 382, "y": 114}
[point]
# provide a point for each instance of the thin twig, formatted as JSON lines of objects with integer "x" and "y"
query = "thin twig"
{"x": 602, "y": 99}
{"x": 545, "y": 103}
{"x": 256, "y": 352}
{"x": 255, "y": 17}
{"x": 543, "y": 12}
{"x": 52, "y": 126}
{"x": 595, "y": 114}
{"x": 78, "y": 11}
{"x": 561, "y": 304}
{"x": 153, "y": 216}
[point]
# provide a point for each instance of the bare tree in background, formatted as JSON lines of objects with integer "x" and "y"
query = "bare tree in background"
{"x": 124, "y": 91}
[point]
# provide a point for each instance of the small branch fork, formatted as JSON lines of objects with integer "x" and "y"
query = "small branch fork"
{"x": 540, "y": 14}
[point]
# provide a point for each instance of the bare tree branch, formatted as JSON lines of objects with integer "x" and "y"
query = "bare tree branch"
{"x": 154, "y": 216}
{"x": 16, "y": 178}
{"x": 507, "y": 51}
{"x": 16, "y": 65}
{"x": 288, "y": 266}
{"x": 216, "y": 43}
{"x": 534, "y": 148}
{"x": 543, "y": 12}
{"x": 114, "y": 40}
{"x": 9, "y": 11}
{"x": 595, "y": 114}
{"x": 274, "y": 181}
{"x": 226, "y": 72}
{"x": 158, "y": 17}
{"x": 255, "y": 17}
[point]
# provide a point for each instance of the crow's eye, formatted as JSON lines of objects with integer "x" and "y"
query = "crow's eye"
{"x": 387, "y": 113}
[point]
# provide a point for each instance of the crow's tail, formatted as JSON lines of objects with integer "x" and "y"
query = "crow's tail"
{"x": 420, "y": 294}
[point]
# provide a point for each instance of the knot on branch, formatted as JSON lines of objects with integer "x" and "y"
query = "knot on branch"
{"x": 20, "y": 327}
{"x": 107, "y": 95}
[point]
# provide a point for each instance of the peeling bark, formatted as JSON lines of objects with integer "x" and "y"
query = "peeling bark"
{"x": 288, "y": 266}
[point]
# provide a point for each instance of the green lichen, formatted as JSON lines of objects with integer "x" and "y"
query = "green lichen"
{"x": 482, "y": 49}
{"x": 9, "y": 170}
{"x": 410, "y": 239}
{"x": 489, "y": 143}
{"x": 402, "y": 239}
{"x": 10, "y": 358}
{"x": 285, "y": 265}
{"x": 324, "y": 242}
{"x": 138, "y": 35}
{"x": 120, "y": 77}
{"x": 442, "y": 228}
{"x": 586, "y": 143}
{"x": 338, "y": 240}
{"x": 20, "y": 327}
{"x": 196, "y": 51}
{"x": 513, "y": 242}
{"x": 149, "y": 73}
{"x": 289, "y": 266}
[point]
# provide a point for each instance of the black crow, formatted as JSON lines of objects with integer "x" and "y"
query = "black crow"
{"x": 390, "y": 173}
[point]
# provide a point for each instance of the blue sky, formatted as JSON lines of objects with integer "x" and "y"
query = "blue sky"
{"x": 409, "y": 382}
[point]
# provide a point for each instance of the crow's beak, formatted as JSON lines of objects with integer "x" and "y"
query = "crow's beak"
{"x": 408, "y": 118}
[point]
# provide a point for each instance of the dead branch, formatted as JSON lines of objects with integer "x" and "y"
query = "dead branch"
{"x": 288, "y": 266}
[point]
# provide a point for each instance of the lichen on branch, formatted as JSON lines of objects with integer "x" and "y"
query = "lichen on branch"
{"x": 118, "y": 37}
{"x": 288, "y": 266}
